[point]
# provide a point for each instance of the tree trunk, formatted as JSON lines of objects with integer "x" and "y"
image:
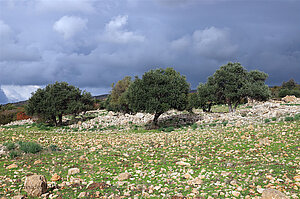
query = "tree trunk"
{"x": 209, "y": 108}
{"x": 60, "y": 119}
{"x": 230, "y": 107}
{"x": 54, "y": 120}
{"x": 156, "y": 116}
{"x": 235, "y": 106}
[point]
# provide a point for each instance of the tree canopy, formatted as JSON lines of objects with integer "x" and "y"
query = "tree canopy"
{"x": 58, "y": 99}
{"x": 117, "y": 100}
{"x": 232, "y": 83}
{"x": 158, "y": 91}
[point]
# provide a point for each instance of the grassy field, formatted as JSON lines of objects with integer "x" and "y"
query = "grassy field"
{"x": 188, "y": 162}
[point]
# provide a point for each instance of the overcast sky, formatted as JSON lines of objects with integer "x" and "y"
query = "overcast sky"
{"x": 93, "y": 43}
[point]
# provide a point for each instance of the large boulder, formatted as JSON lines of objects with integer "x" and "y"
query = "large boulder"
{"x": 35, "y": 185}
{"x": 273, "y": 194}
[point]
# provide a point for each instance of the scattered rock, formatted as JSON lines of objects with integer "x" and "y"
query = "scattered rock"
{"x": 273, "y": 194}
{"x": 3, "y": 150}
{"x": 55, "y": 177}
{"x": 35, "y": 185}
{"x": 82, "y": 195}
{"x": 124, "y": 176}
{"x": 181, "y": 163}
{"x": 196, "y": 181}
{"x": 37, "y": 162}
{"x": 12, "y": 166}
{"x": 297, "y": 178}
{"x": 264, "y": 141}
{"x": 73, "y": 171}
{"x": 250, "y": 127}
{"x": 19, "y": 197}
{"x": 289, "y": 98}
{"x": 236, "y": 193}
{"x": 137, "y": 164}
{"x": 238, "y": 124}
{"x": 260, "y": 190}
{"x": 187, "y": 176}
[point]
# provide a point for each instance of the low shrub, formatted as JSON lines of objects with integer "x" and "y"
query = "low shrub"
{"x": 225, "y": 123}
{"x": 289, "y": 119}
{"x": 297, "y": 116}
{"x": 30, "y": 147}
{"x": 54, "y": 147}
{"x": 8, "y": 116}
{"x": 10, "y": 146}
{"x": 274, "y": 118}
{"x": 13, "y": 154}
{"x": 194, "y": 126}
{"x": 22, "y": 116}
{"x": 267, "y": 120}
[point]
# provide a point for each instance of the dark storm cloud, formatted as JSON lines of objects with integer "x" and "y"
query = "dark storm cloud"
{"x": 91, "y": 43}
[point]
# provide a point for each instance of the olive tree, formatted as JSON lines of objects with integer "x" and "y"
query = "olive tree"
{"x": 58, "y": 99}
{"x": 117, "y": 100}
{"x": 158, "y": 91}
{"x": 233, "y": 84}
{"x": 206, "y": 95}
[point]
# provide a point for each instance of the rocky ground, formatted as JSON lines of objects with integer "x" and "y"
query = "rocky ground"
{"x": 251, "y": 153}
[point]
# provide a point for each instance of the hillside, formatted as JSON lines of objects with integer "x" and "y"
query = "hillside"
{"x": 204, "y": 155}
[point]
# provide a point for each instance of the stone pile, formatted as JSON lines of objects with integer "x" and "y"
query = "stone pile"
{"x": 254, "y": 113}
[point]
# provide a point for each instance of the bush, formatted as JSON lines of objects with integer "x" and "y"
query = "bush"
{"x": 297, "y": 116}
{"x": 22, "y": 116}
{"x": 13, "y": 154}
{"x": 30, "y": 147}
{"x": 10, "y": 146}
{"x": 225, "y": 123}
{"x": 289, "y": 119}
{"x": 274, "y": 118}
{"x": 8, "y": 116}
{"x": 194, "y": 126}
{"x": 53, "y": 147}
{"x": 267, "y": 120}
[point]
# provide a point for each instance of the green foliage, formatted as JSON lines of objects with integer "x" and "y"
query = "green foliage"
{"x": 30, "y": 147}
{"x": 224, "y": 123}
{"x": 193, "y": 102}
{"x": 58, "y": 99}
{"x": 13, "y": 154}
{"x": 118, "y": 97}
{"x": 289, "y": 119}
{"x": 194, "y": 126}
{"x": 158, "y": 91}
{"x": 287, "y": 88}
{"x": 297, "y": 116}
{"x": 290, "y": 85}
{"x": 274, "y": 119}
{"x": 267, "y": 120}
{"x": 10, "y": 146}
{"x": 232, "y": 84}
{"x": 8, "y": 116}
{"x": 258, "y": 90}
{"x": 284, "y": 92}
{"x": 207, "y": 95}
{"x": 54, "y": 147}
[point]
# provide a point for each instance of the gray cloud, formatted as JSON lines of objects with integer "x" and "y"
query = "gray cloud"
{"x": 3, "y": 98}
{"x": 92, "y": 43}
